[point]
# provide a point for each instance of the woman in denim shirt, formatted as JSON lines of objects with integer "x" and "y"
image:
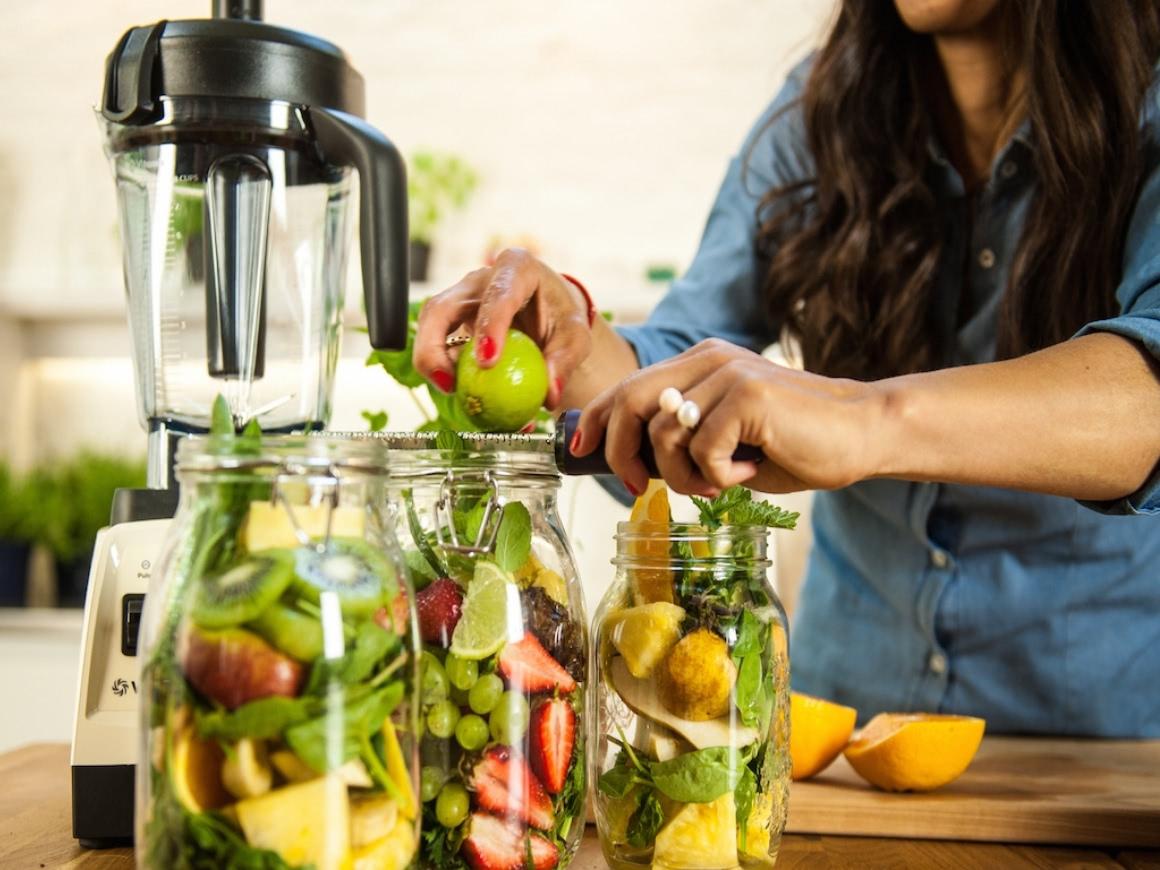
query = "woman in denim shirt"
{"x": 953, "y": 211}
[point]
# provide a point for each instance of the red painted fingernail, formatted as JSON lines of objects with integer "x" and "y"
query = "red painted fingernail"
{"x": 631, "y": 489}
{"x": 574, "y": 444}
{"x": 485, "y": 350}
{"x": 529, "y": 428}
{"x": 442, "y": 380}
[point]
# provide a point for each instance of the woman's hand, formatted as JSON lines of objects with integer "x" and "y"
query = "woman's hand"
{"x": 815, "y": 432}
{"x": 519, "y": 291}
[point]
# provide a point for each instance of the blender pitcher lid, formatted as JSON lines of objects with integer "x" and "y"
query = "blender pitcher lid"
{"x": 225, "y": 58}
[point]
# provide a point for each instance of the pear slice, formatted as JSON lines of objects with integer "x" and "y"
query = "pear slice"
{"x": 641, "y": 697}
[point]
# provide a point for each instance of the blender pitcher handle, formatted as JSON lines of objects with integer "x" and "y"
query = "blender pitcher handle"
{"x": 383, "y": 237}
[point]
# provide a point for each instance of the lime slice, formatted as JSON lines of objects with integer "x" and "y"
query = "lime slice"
{"x": 482, "y": 629}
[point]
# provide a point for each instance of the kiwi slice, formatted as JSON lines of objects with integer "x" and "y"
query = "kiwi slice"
{"x": 351, "y": 568}
{"x": 293, "y": 632}
{"x": 242, "y": 591}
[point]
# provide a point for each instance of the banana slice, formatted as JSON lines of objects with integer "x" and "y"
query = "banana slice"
{"x": 246, "y": 771}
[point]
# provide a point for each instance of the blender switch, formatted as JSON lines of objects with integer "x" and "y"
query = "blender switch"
{"x": 130, "y": 622}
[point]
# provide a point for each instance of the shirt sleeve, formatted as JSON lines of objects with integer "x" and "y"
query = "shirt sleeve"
{"x": 721, "y": 294}
{"x": 1139, "y": 297}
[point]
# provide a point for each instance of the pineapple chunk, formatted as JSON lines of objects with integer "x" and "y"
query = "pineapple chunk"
{"x": 643, "y": 635}
{"x": 392, "y": 852}
{"x": 757, "y": 832}
{"x": 269, "y": 525}
{"x": 397, "y": 770}
{"x": 699, "y": 837}
{"x": 372, "y": 817}
{"x": 307, "y": 823}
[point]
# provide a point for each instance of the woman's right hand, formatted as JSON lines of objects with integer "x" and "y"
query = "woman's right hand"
{"x": 518, "y": 291}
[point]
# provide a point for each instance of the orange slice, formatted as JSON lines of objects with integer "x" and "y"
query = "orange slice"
{"x": 818, "y": 732}
{"x": 651, "y": 511}
{"x": 915, "y": 751}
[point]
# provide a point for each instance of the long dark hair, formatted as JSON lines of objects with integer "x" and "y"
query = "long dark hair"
{"x": 853, "y": 253}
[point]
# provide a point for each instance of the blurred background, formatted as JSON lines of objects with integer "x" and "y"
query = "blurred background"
{"x": 594, "y": 133}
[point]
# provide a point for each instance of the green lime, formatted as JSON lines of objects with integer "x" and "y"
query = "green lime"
{"x": 507, "y": 396}
{"x": 482, "y": 627}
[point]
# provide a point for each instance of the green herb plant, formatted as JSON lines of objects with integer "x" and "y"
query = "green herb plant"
{"x": 436, "y": 184}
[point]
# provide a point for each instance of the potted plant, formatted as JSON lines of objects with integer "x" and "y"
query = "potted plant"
{"x": 436, "y": 183}
{"x": 19, "y": 514}
{"x": 81, "y": 495}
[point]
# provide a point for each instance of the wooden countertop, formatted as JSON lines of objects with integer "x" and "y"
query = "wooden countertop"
{"x": 36, "y": 825}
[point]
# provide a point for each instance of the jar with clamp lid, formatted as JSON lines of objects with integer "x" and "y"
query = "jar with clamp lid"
{"x": 281, "y": 660}
{"x": 504, "y": 649}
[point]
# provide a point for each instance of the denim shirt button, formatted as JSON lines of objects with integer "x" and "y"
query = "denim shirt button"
{"x": 937, "y": 663}
{"x": 986, "y": 258}
{"x": 939, "y": 559}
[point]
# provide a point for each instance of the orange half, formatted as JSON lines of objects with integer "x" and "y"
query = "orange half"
{"x": 818, "y": 732}
{"x": 915, "y": 751}
{"x": 653, "y": 583}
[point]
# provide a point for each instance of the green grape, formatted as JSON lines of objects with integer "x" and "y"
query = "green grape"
{"x": 451, "y": 806}
{"x": 442, "y": 719}
{"x": 461, "y": 672}
{"x": 485, "y": 694}
{"x": 458, "y": 697}
{"x": 434, "y": 679}
{"x": 430, "y": 781}
{"x": 471, "y": 732}
{"x": 509, "y": 719}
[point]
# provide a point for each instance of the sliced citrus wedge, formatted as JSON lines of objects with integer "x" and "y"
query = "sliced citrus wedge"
{"x": 482, "y": 629}
{"x": 651, "y": 510}
{"x": 818, "y": 732}
{"x": 914, "y": 751}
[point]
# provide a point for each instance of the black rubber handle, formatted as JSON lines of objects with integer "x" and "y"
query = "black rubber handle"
{"x": 383, "y": 237}
{"x": 594, "y": 462}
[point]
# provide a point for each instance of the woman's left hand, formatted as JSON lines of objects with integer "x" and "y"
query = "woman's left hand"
{"x": 815, "y": 432}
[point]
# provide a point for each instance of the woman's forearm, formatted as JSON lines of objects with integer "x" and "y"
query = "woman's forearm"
{"x": 611, "y": 360}
{"x": 1081, "y": 419}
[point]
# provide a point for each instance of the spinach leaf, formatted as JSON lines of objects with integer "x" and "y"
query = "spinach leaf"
{"x": 618, "y": 780}
{"x": 263, "y": 719}
{"x": 644, "y": 824}
{"x": 420, "y": 568}
{"x": 751, "y": 635}
{"x": 743, "y": 796}
{"x": 376, "y": 420}
{"x": 513, "y": 542}
{"x": 313, "y": 740}
{"x": 749, "y": 691}
{"x": 372, "y": 643}
{"x": 698, "y": 777}
{"x": 570, "y": 802}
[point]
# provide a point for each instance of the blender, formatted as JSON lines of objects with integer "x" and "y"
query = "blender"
{"x": 234, "y": 144}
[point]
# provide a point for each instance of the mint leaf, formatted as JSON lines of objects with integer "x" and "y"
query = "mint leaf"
{"x": 221, "y": 418}
{"x": 449, "y": 442}
{"x": 376, "y": 420}
{"x": 263, "y": 719}
{"x": 759, "y": 513}
{"x": 513, "y": 542}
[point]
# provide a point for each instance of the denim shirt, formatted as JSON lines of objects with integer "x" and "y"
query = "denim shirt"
{"x": 1039, "y": 613}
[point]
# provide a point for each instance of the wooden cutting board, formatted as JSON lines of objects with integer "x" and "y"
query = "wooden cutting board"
{"x": 1017, "y": 790}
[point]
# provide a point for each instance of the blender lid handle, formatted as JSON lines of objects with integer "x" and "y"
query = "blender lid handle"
{"x": 383, "y": 237}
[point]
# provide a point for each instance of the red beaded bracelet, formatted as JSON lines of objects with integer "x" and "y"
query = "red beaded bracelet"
{"x": 592, "y": 312}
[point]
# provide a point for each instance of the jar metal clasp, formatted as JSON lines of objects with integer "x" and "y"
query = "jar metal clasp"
{"x": 446, "y": 529}
{"x": 326, "y": 483}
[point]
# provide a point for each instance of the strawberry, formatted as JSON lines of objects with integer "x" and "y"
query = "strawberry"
{"x": 551, "y": 737}
{"x": 530, "y": 668}
{"x": 493, "y": 844}
{"x": 505, "y": 785}
{"x": 397, "y": 618}
{"x": 439, "y": 606}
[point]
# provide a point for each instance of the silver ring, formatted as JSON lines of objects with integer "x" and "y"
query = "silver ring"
{"x": 689, "y": 414}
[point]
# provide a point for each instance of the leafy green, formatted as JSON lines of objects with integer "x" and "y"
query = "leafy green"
{"x": 263, "y": 719}
{"x": 450, "y": 443}
{"x": 420, "y": 537}
{"x": 440, "y": 844}
{"x": 376, "y": 420}
{"x": 569, "y": 803}
{"x": 646, "y": 821}
{"x": 514, "y": 540}
{"x": 749, "y": 691}
{"x": 618, "y": 780}
{"x": 363, "y": 714}
{"x": 436, "y": 183}
{"x": 372, "y": 643}
{"x": 698, "y": 777}
{"x": 737, "y": 507}
{"x": 420, "y": 569}
{"x": 743, "y": 796}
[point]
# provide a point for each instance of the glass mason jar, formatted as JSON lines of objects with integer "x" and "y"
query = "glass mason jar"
{"x": 505, "y": 651}
{"x": 281, "y": 660}
{"x": 690, "y": 733}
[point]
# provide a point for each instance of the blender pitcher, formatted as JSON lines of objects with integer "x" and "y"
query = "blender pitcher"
{"x": 232, "y": 142}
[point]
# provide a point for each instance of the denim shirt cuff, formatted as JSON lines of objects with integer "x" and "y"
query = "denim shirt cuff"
{"x": 1145, "y": 329}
